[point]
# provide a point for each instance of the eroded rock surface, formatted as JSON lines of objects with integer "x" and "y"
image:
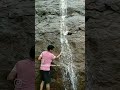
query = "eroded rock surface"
{"x": 102, "y": 44}
{"x": 47, "y": 31}
{"x": 16, "y": 35}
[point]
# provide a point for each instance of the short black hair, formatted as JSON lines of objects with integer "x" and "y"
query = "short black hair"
{"x": 50, "y": 47}
{"x": 32, "y": 52}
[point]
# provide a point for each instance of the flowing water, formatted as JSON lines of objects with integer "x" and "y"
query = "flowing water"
{"x": 69, "y": 77}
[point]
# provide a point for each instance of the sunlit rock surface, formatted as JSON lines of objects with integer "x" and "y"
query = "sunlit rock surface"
{"x": 47, "y": 32}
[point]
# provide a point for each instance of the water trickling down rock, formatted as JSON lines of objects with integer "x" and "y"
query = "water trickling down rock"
{"x": 68, "y": 37}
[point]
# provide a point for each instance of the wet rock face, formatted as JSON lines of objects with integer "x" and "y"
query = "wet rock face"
{"x": 16, "y": 35}
{"x": 48, "y": 17}
{"x": 102, "y": 44}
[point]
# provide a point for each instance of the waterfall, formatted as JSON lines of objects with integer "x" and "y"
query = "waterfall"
{"x": 69, "y": 77}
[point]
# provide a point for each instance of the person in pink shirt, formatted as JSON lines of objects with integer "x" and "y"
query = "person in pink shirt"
{"x": 46, "y": 58}
{"x": 23, "y": 73}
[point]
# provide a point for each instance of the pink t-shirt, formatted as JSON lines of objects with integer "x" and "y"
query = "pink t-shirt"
{"x": 47, "y": 58}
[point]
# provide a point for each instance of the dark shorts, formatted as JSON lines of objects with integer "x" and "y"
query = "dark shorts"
{"x": 45, "y": 76}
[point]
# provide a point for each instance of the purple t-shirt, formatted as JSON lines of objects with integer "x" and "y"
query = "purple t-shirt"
{"x": 25, "y": 70}
{"x": 47, "y": 58}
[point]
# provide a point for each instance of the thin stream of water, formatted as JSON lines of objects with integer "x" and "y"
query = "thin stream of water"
{"x": 67, "y": 58}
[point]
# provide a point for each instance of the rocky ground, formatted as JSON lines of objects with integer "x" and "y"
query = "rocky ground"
{"x": 48, "y": 32}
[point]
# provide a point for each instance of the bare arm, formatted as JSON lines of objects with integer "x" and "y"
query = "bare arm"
{"x": 12, "y": 74}
{"x": 58, "y": 56}
{"x": 40, "y": 57}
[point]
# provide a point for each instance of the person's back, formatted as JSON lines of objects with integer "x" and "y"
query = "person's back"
{"x": 23, "y": 73}
{"x": 47, "y": 58}
{"x": 25, "y": 70}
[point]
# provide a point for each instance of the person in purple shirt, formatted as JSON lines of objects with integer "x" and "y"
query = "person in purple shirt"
{"x": 23, "y": 73}
{"x": 46, "y": 58}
